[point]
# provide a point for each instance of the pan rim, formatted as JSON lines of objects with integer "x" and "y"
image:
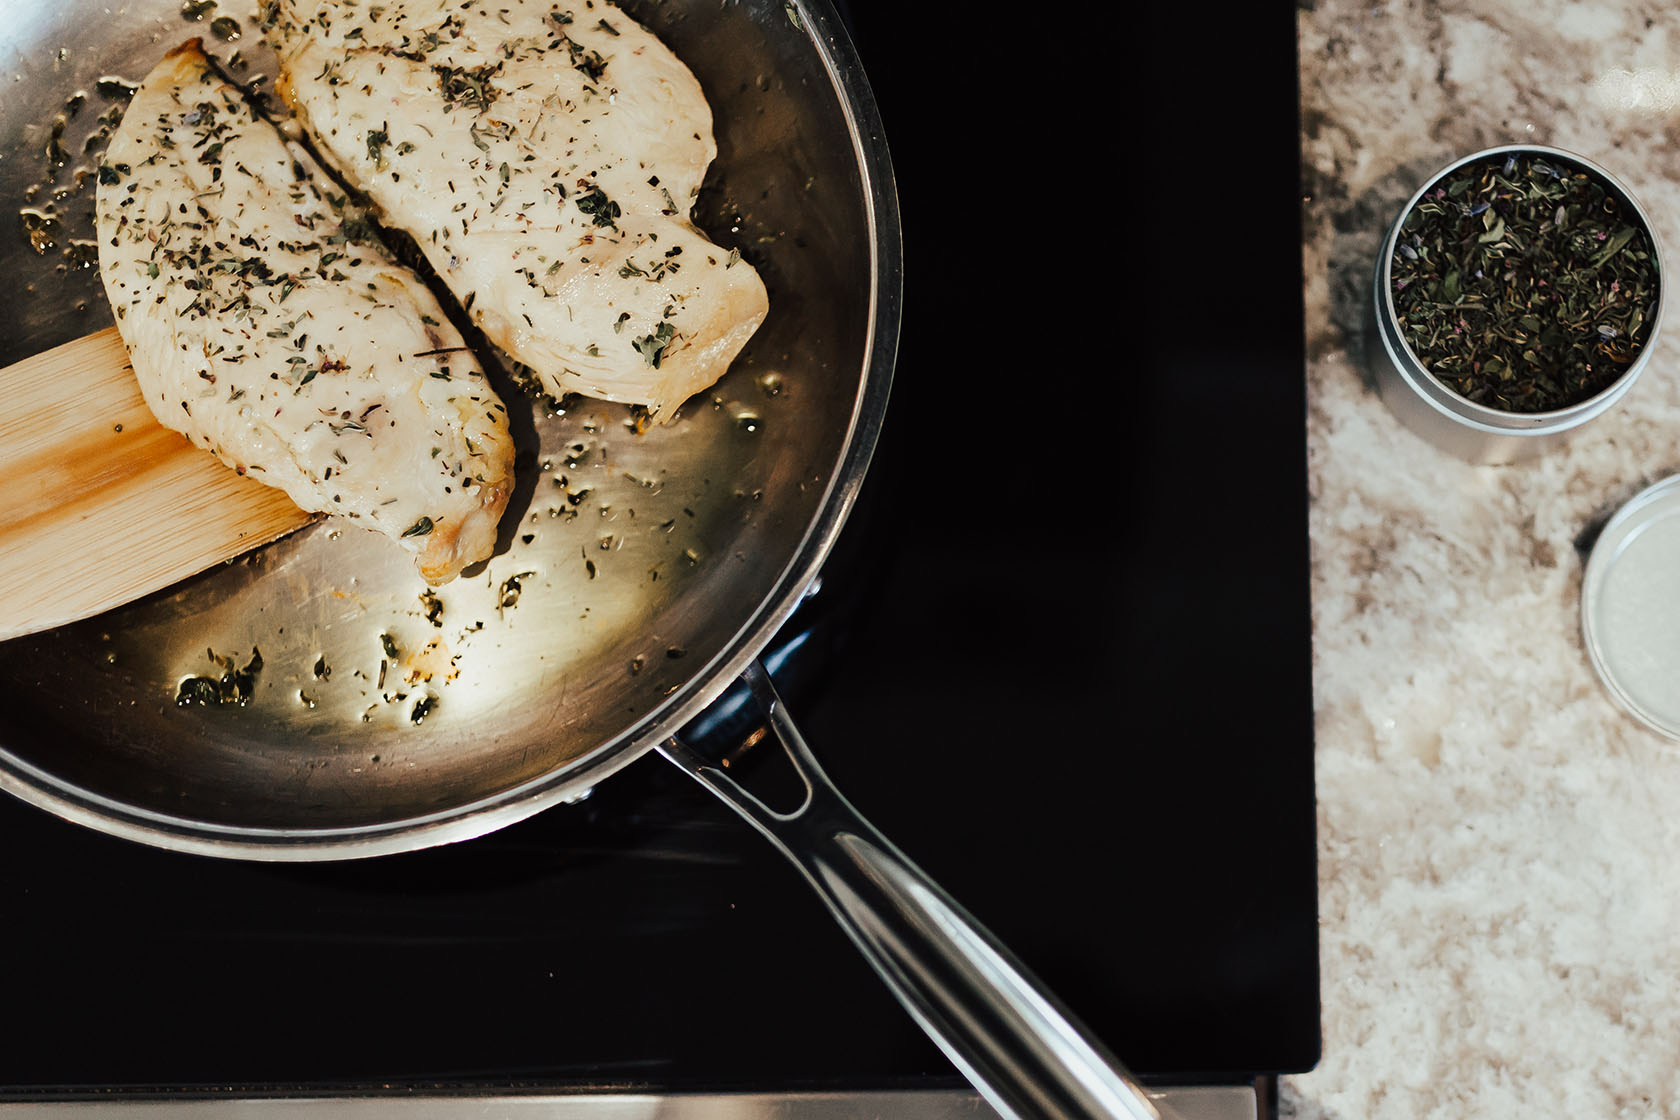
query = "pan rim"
{"x": 574, "y": 778}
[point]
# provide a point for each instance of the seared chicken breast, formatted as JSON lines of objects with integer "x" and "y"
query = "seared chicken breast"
{"x": 545, "y": 157}
{"x": 266, "y": 323}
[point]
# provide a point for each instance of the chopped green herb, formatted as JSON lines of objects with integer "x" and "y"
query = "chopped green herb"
{"x": 599, "y": 207}
{"x": 433, "y": 605}
{"x": 586, "y": 62}
{"x": 652, "y": 347}
{"x": 470, "y": 89}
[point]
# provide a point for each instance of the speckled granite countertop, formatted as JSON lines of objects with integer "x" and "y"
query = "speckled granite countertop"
{"x": 1499, "y": 845}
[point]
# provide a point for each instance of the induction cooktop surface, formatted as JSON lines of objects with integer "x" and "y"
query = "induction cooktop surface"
{"x": 1061, "y": 657}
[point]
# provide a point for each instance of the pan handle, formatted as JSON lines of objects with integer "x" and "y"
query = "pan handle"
{"x": 1010, "y": 1038}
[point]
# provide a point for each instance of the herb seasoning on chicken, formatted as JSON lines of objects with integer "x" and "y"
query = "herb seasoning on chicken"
{"x": 266, "y": 324}
{"x": 545, "y": 157}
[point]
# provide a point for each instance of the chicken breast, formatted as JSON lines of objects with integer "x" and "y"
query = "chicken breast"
{"x": 545, "y": 157}
{"x": 267, "y": 324}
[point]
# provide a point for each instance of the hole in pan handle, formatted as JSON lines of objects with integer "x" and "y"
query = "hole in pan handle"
{"x": 1018, "y": 1046}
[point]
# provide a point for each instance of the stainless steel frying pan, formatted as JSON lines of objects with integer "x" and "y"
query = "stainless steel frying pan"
{"x": 639, "y": 575}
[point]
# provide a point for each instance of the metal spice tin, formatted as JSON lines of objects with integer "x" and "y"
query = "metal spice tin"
{"x": 1453, "y": 423}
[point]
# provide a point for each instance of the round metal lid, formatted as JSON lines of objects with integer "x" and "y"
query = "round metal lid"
{"x": 1630, "y": 606}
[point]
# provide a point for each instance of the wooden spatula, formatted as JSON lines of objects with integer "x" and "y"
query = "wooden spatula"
{"x": 99, "y": 503}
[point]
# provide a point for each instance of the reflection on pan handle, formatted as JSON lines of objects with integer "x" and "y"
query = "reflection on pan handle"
{"x": 1007, "y": 1035}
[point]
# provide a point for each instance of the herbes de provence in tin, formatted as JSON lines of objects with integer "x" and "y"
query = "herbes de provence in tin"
{"x": 1517, "y": 296}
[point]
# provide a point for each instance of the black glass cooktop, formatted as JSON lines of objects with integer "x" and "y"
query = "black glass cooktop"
{"x": 1062, "y": 659}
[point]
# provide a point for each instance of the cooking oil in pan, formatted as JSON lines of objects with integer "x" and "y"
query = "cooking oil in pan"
{"x": 623, "y": 544}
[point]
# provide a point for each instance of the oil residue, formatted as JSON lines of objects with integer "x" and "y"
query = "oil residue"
{"x": 422, "y": 708}
{"x": 404, "y": 680}
{"x": 507, "y": 596}
{"x": 41, "y": 229}
{"x": 46, "y": 222}
{"x": 47, "y": 217}
{"x": 81, "y": 253}
{"x": 116, "y": 89}
{"x": 57, "y": 154}
{"x": 234, "y": 687}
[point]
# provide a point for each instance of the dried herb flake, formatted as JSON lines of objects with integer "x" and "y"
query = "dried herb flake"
{"x": 1524, "y": 283}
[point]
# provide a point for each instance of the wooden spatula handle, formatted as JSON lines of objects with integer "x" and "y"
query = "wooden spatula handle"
{"x": 99, "y": 503}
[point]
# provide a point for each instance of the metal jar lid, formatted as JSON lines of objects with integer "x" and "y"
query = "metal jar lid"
{"x": 1630, "y": 606}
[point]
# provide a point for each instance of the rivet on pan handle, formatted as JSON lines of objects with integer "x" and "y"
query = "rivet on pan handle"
{"x": 1010, "y": 1038}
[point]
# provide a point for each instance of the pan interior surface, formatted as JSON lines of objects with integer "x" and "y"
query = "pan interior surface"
{"x": 638, "y": 569}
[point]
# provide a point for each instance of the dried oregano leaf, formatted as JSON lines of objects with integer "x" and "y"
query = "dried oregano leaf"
{"x": 1524, "y": 282}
